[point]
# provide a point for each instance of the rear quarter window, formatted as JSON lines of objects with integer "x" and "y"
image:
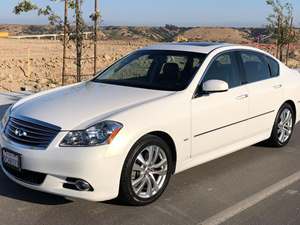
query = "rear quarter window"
{"x": 273, "y": 66}
{"x": 255, "y": 66}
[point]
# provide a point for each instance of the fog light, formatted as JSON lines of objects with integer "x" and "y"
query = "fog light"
{"x": 82, "y": 185}
{"x": 77, "y": 184}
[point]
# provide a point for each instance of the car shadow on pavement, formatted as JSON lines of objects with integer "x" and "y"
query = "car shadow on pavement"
{"x": 12, "y": 190}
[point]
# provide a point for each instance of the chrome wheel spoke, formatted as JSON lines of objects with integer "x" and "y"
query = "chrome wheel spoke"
{"x": 287, "y": 117}
{"x": 286, "y": 130}
{"x": 141, "y": 186}
{"x": 281, "y": 136}
{"x": 137, "y": 167}
{"x": 149, "y": 171}
{"x": 149, "y": 187}
{"x": 151, "y": 153}
{"x": 141, "y": 159}
{"x": 155, "y": 185}
{"x": 155, "y": 155}
{"x": 160, "y": 172}
{"x": 160, "y": 164}
{"x": 138, "y": 181}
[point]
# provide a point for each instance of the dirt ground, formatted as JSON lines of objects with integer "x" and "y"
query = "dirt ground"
{"x": 36, "y": 65}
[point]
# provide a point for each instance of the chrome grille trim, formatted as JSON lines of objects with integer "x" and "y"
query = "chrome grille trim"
{"x": 38, "y": 134}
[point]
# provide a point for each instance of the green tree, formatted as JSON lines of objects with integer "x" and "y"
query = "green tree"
{"x": 54, "y": 19}
{"x": 281, "y": 26}
{"x": 25, "y": 6}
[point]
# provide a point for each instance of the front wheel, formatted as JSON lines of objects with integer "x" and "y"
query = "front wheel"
{"x": 283, "y": 127}
{"x": 146, "y": 171}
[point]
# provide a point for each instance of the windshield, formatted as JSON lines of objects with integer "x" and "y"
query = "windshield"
{"x": 154, "y": 69}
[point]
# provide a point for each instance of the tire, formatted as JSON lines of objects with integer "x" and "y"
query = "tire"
{"x": 278, "y": 139}
{"x": 137, "y": 186}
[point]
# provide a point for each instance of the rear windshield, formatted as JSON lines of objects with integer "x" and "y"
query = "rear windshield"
{"x": 154, "y": 69}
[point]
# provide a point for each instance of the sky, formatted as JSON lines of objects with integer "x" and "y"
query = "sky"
{"x": 237, "y": 13}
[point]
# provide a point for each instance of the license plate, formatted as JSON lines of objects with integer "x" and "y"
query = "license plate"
{"x": 11, "y": 159}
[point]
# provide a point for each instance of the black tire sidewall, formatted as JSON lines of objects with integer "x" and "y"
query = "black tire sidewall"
{"x": 125, "y": 187}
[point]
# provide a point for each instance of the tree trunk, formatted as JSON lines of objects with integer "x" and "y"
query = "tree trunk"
{"x": 290, "y": 40}
{"x": 96, "y": 35}
{"x": 78, "y": 40}
{"x": 65, "y": 41}
{"x": 281, "y": 53}
{"x": 287, "y": 54}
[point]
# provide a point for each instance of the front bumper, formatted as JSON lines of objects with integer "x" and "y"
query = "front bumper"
{"x": 100, "y": 166}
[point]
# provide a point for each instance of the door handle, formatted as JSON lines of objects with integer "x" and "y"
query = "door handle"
{"x": 241, "y": 97}
{"x": 277, "y": 86}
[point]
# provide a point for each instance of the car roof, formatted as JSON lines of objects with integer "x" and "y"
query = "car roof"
{"x": 199, "y": 47}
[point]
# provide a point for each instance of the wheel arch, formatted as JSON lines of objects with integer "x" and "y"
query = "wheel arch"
{"x": 293, "y": 105}
{"x": 170, "y": 142}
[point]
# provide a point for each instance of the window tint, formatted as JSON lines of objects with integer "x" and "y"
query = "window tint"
{"x": 224, "y": 68}
{"x": 273, "y": 65}
{"x": 154, "y": 69}
{"x": 256, "y": 68}
{"x": 137, "y": 68}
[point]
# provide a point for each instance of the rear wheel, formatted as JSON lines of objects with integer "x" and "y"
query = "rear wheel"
{"x": 146, "y": 172}
{"x": 283, "y": 127}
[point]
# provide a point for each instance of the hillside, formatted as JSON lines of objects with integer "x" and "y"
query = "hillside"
{"x": 157, "y": 34}
{"x": 231, "y": 35}
{"x": 16, "y": 29}
{"x": 166, "y": 33}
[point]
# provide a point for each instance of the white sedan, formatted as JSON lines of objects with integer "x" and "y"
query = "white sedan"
{"x": 158, "y": 111}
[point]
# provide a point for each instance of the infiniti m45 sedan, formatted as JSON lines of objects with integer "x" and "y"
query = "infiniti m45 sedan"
{"x": 154, "y": 113}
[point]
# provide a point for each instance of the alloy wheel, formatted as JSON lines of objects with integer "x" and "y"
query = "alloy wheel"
{"x": 285, "y": 125}
{"x": 149, "y": 171}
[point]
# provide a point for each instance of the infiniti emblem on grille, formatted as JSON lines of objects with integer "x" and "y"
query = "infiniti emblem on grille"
{"x": 20, "y": 133}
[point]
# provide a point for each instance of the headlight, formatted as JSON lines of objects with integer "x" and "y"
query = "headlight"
{"x": 99, "y": 134}
{"x": 6, "y": 117}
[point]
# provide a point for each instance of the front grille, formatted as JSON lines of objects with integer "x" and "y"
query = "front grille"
{"x": 26, "y": 176}
{"x": 30, "y": 132}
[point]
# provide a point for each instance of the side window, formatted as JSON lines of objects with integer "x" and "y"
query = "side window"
{"x": 255, "y": 66}
{"x": 225, "y": 68}
{"x": 273, "y": 65}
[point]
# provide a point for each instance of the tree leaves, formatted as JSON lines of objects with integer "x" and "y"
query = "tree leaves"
{"x": 281, "y": 24}
{"x": 24, "y": 6}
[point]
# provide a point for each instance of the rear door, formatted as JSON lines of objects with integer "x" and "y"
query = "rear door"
{"x": 265, "y": 90}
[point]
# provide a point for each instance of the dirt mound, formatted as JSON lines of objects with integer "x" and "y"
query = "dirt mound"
{"x": 231, "y": 35}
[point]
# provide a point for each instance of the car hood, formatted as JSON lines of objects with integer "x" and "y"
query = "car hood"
{"x": 74, "y": 107}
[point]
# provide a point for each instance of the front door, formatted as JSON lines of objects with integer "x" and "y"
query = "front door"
{"x": 217, "y": 118}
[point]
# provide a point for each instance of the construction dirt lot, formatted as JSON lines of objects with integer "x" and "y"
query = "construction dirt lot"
{"x": 36, "y": 65}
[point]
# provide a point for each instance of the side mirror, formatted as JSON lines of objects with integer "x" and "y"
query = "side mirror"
{"x": 212, "y": 86}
